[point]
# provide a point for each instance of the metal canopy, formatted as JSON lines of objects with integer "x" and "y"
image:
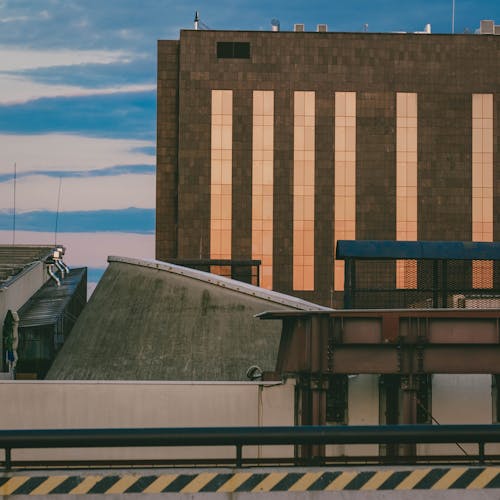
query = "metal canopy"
{"x": 446, "y": 250}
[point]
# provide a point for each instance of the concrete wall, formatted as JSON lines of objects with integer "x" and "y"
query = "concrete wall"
{"x": 60, "y": 405}
{"x": 461, "y": 399}
{"x": 21, "y": 289}
{"x": 88, "y": 404}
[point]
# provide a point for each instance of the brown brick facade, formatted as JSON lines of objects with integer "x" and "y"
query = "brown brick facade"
{"x": 443, "y": 70}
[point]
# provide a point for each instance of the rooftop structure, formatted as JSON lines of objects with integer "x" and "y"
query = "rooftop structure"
{"x": 151, "y": 320}
{"x": 24, "y": 273}
{"x": 14, "y": 259}
{"x": 46, "y": 320}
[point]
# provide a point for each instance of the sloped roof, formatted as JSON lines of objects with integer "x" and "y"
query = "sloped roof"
{"x": 14, "y": 259}
{"x": 47, "y": 305}
{"x": 151, "y": 320}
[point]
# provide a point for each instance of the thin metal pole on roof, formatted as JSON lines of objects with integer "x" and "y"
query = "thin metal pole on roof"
{"x": 453, "y": 17}
{"x": 14, "y": 214}
{"x": 57, "y": 212}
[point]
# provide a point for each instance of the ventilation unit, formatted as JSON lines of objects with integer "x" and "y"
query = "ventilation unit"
{"x": 299, "y": 27}
{"x": 487, "y": 27}
{"x": 322, "y": 28}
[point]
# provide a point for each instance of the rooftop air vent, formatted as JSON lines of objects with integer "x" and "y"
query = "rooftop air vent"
{"x": 322, "y": 28}
{"x": 299, "y": 27}
{"x": 487, "y": 27}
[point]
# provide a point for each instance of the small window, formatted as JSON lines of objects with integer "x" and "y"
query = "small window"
{"x": 233, "y": 50}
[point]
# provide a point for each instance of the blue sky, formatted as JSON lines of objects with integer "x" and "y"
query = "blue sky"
{"x": 78, "y": 103}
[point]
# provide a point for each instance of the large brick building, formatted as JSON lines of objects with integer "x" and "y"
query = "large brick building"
{"x": 274, "y": 145}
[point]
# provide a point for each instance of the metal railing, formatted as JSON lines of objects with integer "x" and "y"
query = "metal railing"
{"x": 247, "y": 436}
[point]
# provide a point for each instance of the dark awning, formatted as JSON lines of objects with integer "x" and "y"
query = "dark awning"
{"x": 382, "y": 249}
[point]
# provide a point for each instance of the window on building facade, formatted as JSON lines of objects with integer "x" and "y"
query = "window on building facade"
{"x": 303, "y": 190}
{"x": 233, "y": 50}
{"x": 221, "y": 175}
{"x": 345, "y": 176}
{"x": 482, "y": 184}
{"x": 406, "y": 184}
{"x": 262, "y": 184}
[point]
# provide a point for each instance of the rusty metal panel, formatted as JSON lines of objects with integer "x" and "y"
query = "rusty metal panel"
{"x": 390, "y": 328}
{"x": 463, "y": 331}
{"x": 369, "y": 359}
{"x": 362, "y": 330}
{"x": 462, "y": 359}
{"x": 292, "y": 350}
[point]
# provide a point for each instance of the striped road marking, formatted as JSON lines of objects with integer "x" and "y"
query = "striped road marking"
{"x": 328, "y": 479}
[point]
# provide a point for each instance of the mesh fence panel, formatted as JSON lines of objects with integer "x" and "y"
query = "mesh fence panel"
{"x": 422, "y": 284}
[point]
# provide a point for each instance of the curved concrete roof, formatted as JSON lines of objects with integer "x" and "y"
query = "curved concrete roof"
{"x": 151, "y": 320}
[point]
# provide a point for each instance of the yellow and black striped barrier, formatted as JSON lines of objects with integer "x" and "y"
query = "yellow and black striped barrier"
{"x": 458, "y": 478}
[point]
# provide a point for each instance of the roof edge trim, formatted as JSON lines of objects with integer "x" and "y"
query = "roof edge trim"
{"x": 230, "y": 284}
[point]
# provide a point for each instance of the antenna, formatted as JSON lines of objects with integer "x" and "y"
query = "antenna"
{"x": 14, "y": 214}
{"x": 453, "y": 17}
{"x": 198, "y": 23}
{"x": 57, "y": 212}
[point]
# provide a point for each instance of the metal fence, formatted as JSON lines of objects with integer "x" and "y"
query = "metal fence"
{"x": 421, "y": 284}
{"x": 239, "y": 437}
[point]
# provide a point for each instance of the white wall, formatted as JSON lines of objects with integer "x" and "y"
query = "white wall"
{"x": 60, "y": 404}
{"x": 460, "y": 399}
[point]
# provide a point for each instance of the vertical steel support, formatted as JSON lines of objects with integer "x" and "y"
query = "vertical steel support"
{"x": 8, "y": 459}
{"x": 349, "y": 283}
{"x": 481, "y": 453}
{"x": 239, "y": 455}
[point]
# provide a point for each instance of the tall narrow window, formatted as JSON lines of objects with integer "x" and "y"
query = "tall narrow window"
{"x": 345, "y": 176}
{"x": 262, "y": 184}
{"x": 406, "y": 183}
{"x": 482, "y": 184}
{"x": 303, "y": 191}
{"x": 221, "y": 175}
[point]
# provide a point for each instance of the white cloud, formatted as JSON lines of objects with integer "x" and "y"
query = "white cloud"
{"x": 15, "y": 19}
{"x": 85, "y": 193}
{"x": 61, "y": 152}
{"x": 16, "y": 59}
{"x": 16, "y": 90}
